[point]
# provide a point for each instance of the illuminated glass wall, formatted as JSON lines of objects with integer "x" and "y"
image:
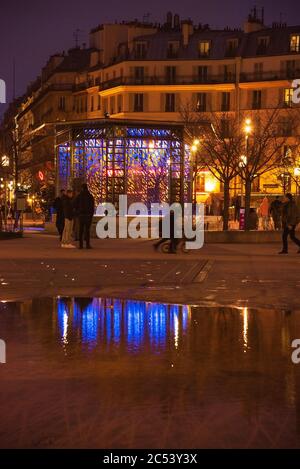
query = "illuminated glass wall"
{"x": 147, "y": 164}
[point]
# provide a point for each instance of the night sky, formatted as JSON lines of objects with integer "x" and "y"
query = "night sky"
{"x": 31, "y": 30}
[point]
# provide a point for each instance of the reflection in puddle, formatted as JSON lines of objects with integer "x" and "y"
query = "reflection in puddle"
{"x": 119, "y": 323}
{"x": 113, "y": 373}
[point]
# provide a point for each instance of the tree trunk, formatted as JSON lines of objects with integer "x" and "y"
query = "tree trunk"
{"x": 247, "y": 202}
{"x": 226, "y": 205}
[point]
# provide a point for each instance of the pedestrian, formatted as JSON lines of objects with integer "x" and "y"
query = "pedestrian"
{"x": 264, "y": 213}
{"x": 60, "y": 218}
{"x": 290, "y": 219}
{"x": 275, "y": 212}
{"x": 85, "y": 207}
{"x": 68, "y": 208}
{"x": 170, "y": 222}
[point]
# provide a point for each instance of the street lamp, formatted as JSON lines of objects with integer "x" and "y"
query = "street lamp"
{"x": 244, "y": 158}
{"x": 194, "y": 150}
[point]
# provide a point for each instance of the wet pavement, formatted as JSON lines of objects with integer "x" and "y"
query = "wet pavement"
{"x": 108, "y": 373}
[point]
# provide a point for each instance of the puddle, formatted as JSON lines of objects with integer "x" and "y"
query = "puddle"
{"x": 92, "y": 372}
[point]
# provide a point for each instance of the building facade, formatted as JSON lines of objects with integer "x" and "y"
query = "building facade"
{"x": 146, "y": 72}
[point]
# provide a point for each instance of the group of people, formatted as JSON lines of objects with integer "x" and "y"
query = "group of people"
{"x": 74, "y": 216}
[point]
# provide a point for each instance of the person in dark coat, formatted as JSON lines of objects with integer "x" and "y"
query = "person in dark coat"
{"x": 68, "y": 206}
{"x": 85, "y": 207}
{"x": 290, "y": 219}
{"x": 275, "y": 212}
{"x": 173, "y": 240}
{"x": 60, "y": 218}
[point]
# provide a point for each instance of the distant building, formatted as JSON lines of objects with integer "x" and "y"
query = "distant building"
{"x": 146, "y": 72}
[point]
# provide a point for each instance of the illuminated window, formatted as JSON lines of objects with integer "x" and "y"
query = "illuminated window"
{"x": 120, "y": 102}
{"x": 204, "y": 48}
{"x": 295, "y": 43}
{"x": 288, "y": 96}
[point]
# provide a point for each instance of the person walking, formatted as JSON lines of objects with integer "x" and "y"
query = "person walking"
{"x": 85, "y": 207}
{"x": 264, "y": 213}
{"x": 290, "y": 219}
{"x": 60, "y": 218}
{"x": 68, "y": 207}
{"x": 275, "y": 212}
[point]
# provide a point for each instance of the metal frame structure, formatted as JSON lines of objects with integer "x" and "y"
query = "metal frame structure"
{"x": 113, "y": 156}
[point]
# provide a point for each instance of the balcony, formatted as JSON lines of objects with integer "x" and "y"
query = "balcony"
{"x": 270, "y": 75}
{"x": 163, "y": 80}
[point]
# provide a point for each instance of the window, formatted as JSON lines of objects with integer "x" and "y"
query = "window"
{"x": 92, "y": 103}
{"x": 120, "y": 102}
{"x": 139, "y": 74}
{"x": 256, "y": 99}
{"x": 288, "y": 96}
{"x": 285, "y": 127}
{"x": 140, "y": 50}
{"x": 112, "y": 105}
{"x": 99, "y": 103}
{"x": 262, "y": 45}
{"x": 138, "y": 105}
{"x": 295, "y": 43}
{"x": 258, "y": 70}
{"x": 290, "y": 68}
{"x": 203, "y": 73}
{"x": 201, "y": 102}
{"x": 204, "y": 48}
{"x": 225, "y": 102}
{"x": 62, "y": 103}
{"x": 225, "y": 128}
{"x": 173, "y": 48}
{"x": 170, "y": 102}
{"x": 229, "y": 73}
{"x": 171, "y": 75}
{"x": 231, "y": 47}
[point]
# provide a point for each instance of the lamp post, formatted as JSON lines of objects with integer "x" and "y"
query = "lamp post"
{"x": 194, "y": 150}
{"x": 244, "y": 158}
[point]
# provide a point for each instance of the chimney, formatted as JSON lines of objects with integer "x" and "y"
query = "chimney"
{"x": 187, "y": 29}
{"x": 254, "y": 22}
{"x": 176, "y": 22}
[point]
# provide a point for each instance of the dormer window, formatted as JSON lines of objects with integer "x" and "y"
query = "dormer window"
{"x": 204, "y": 48}
{"x": 173, "y": 48}
{"x": 231, "y": 47}
{"x": 262, "y": 45}
{"x": 140, "y": 50}
{"x": 295, "y": 43}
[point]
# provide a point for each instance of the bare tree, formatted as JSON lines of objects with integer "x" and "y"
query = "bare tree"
{"x": 264, "y": 139}
{"x": 219, "y": 149}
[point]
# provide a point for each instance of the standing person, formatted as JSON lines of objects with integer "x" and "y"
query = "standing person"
{"x": 68, "y": 207}
{"x": 264, "y": 213}
{"x": 290, "y": 219}
{"x": 173, "y": 240}
{"x": 275, "y": 212}
{"x": 85, "y": 207}
{"x": 60, "y": 217}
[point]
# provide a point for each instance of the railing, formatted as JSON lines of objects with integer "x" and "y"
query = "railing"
{"x": 159, "y": 80}
{"x": 270, "y": 75}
